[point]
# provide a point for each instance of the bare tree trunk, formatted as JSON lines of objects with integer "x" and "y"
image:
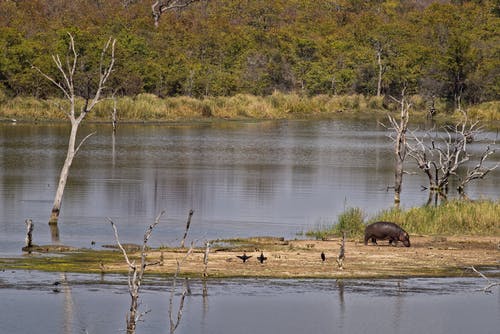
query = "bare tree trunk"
{"x": 135, "y": 274}
{"x": 341, "y": 256}
{"x": 63, "y": 177}
{"x": 380, "y": 69}
{"x": 188, "y": 224}
{"x": 67, "y": 87}
{"x": 29, "y": 235}
{"x": 400, "y": 145}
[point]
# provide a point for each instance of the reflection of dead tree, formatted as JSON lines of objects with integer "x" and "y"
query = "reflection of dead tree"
{"x": 175, "y": 323}
{"x": 440, "y": 157}
{"x": 162, "y": 6}
{"x": 400, "y": 127}
{"x": 490, "y": 283}
{"x": 69, "y": 87}
{"x": 135, "y": 274}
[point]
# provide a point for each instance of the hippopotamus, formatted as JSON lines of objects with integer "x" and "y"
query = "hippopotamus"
{"x": 384, "y": 231}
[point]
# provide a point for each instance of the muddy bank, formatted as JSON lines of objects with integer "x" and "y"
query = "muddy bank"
{"x": 428, "y": 256}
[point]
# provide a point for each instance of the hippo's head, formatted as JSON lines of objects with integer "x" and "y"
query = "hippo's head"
{"x": 405, "y": 239}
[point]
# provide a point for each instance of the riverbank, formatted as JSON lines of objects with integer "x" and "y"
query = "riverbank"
{"x": 428, "y": 256}
{"x": 150, "y": 108}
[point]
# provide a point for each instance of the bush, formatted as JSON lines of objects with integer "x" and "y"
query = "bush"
{"x": 351, "y": 221}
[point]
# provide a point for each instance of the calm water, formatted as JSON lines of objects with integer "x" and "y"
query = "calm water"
{"x": 241, "y": 179}
{"x": 92, "y": 304}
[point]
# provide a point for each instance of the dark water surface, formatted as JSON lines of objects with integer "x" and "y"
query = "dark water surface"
{"x": 92, "y": 304}
{"x": 241, "y": 179}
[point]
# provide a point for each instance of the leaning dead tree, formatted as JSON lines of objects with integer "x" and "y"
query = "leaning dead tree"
{"x": 441, "y": 156}
{"x": 188, "y": 224}
{"x": 136, "y": 274}
{"x": 162, "y": 6}
{"x": 399, "y": 128}
{"x": 67, "y": 85}
{"x": 491, "y": 283}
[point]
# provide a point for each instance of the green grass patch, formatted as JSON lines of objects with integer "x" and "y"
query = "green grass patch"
{"x": 351, "y": 221}
{"x": 451, "y": 218}
{"x": 87, "y": 261}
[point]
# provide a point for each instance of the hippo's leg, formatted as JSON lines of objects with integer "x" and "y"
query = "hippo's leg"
{"x": 374, "y": 241}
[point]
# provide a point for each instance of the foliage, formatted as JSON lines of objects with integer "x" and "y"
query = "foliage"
{"x": 350, "y": 221}
{"x": 451, "y": 218}
{"x": 456, "y": 217}
{"x": 445, "y": 49}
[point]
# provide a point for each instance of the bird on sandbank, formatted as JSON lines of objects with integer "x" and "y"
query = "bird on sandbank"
{"x": 323, "y": 257}
{"x": 261, "y": 257}
{"x": 244, "y": 257}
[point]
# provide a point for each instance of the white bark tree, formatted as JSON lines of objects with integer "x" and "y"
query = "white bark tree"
{"x": 161, "y": 6}
{"x": 400, "y": 128}
{"x": 440, "y": 157}
{"x": 66, "y": 84}
{"x": 135, "y": 274}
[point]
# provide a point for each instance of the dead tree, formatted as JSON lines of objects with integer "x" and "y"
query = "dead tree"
{"x": 188, "y": 224}
{"x": 441, "y": 156}
{"x": 487, "y": 288}
{"x": 135, "y": 274}
{"x": 379, "y": 49}
{"x": 205, "y": 259}
{"x": 399, "y": 137}
{"x": 175, "y": 323}
{"x": 66, "y": 84}
{"x": 478, "y": 172}
{"x": 341, "y": 257}
{"x": 29, "y": 235}
{"x": 161, "y": 6}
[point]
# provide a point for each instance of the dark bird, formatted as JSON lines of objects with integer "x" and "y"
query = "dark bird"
{"x": 244, "y": 257}
{"x": 261, "y": 257}
{"x": 92, "y": 243}
{"x": 323, "y": 257}
{"x": 56, "y": 287}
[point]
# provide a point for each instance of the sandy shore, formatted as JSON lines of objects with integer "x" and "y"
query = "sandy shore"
{"x": 428, "y": 256}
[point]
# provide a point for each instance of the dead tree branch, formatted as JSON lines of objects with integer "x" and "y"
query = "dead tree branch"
{"x": 441, "y": 156}
{"x": 175, "y": 323}
{"x": 161, "y": 6}
{"x": 205, "y": 259}
{"x": 490, "y": 285}
{"x": 135, "y": 274}
{"x": 188, "y": 224}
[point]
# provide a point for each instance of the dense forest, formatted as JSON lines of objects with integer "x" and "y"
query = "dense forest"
{"x": 436, "y": 49}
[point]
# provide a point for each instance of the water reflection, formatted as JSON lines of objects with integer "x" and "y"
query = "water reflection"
{"x": 430, "y": 305}
{"x": 241, "y": 179}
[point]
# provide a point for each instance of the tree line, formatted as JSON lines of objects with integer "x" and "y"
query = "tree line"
{"x": 438, "y": 49}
